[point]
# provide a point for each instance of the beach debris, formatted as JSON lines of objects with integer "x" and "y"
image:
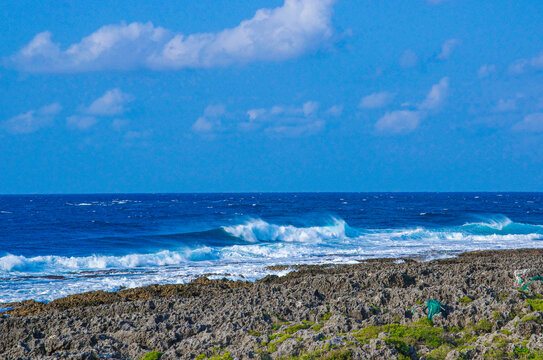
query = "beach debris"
{"x": 519, "y": 276}
{"x": 434, "y": 307}
{"x": 520, "y": 279}
{"x": 535, "y": 278}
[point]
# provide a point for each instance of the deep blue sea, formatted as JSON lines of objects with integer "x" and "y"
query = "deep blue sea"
{"x": 55, "y": 245}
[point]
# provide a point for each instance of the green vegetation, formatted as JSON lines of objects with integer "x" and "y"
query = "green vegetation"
{"x": 535, "y": 304}
{"x": 216, "y": 355}
{"x": 225, "y": 356}
{"x": 531, "y": 318}
{"x": 326, "y": 353}
{"x": 465, "y": 300}
{"x": 279, "y": 338}
{"x": 440, "y": 353}
{"x": 153, "y": 355}
{"x": 503, "y": 296}
{"x": 255, "y": 333}
{"x": 326, "y": 316}
{"x": 519, "y": 352}
{"x": 295, "y": 328}
{"x": 317, "y": 327}
{"x": 483, "y": 326}
{"x": 402, "y": 336}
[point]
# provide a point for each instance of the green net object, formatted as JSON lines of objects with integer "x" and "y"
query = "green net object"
{"x": 434, "y": 307}
{"x": 525, "y": 286}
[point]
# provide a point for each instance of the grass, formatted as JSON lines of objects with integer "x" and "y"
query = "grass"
{"x": 326, "y": 353}
{"x": 326, "y": 316}
{"x": 483, "y": 326}
{"x": 277, "y": 326}
{"x": 465, "y": 300}
{"x": 279, "y": 338}
{"x": 535, "y": 304}
{"x": 216, "y": 355}
{"x": 153, "y": 355}
{"x": 295, "y": 328}
{"x": 317, "y": 327}
{"x": 440, "y": 353}
{"x": 402, "y": 336}
{"x": 531, "y": 318}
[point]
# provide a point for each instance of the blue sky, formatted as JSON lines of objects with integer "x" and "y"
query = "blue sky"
{"x": 294, "y": 95}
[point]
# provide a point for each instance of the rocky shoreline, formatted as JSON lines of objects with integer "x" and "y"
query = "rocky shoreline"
{"x": 371, "y": 310}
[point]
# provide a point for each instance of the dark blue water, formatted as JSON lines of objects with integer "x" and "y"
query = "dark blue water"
{"x": 53, "y": 245}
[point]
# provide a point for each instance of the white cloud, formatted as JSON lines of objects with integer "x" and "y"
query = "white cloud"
{"x": 335, "y": 110}
{"x": 81, "y": 122}
{"x": 310, "y": 108}
{"x": 289, "y": 121}
{"x": 436, "y": 96}
{"x": 291, "y": 30}
{"x": 531, "y": 123}
{"x": 409, "y": 59}
{"x": 203, "y": 125}
{"x": 113, "y": 102}
{"x": 506, "y": 105}
{"x": 32, "y": 120}
{"x": 400, "y": 121}
{"x": 447, "y": 48}
{"x": 524, "y": 65}
{"x": 486, "y": 70}
{"x": 210, "y": 122}
{"x": 296, "y": 130}
{"x": 276, "y": 121}
{"x": 376, "y": 100}
{"x": 405, "y": 121}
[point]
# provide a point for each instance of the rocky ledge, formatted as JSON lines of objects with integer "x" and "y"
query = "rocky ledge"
{"x": 372, "y": 310}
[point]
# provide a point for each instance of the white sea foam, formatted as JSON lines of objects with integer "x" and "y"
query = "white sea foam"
{"x": 258, "y": 230}
{"x": 265, "y": 244}
{"x": 60, "y": 264}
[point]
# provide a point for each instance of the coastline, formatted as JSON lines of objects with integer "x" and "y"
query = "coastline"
{"x": 374, "y": 309}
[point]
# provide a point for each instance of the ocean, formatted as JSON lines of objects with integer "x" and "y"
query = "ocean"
{"x": 55, "y": 245}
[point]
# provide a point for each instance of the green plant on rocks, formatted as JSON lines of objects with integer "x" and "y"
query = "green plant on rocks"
{"x": 402, "y": 336}
{"x": 295, "y": 328}
{"x": 535, "y": 304}
{"x": 326, "y": 316}
{"x": 531, "y": 317}
{"x": 153, "y": 355}
{"x": 277, "y": 339}
{"x": 327, "y": 352}
{"x": 440, "y": 353}
{"x": 216, "y": 355}
{"x": 317, "y": 327}
{"x": 465, "y": 300}
{"x": 483, "y": 326}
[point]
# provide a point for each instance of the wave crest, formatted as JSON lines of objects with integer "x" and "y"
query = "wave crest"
{"x": 256, "y": 230}
{"x": 502, "y": 225}
{"x": 54, "y": 263}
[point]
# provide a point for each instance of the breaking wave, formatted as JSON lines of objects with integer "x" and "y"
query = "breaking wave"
{"x": 258, "y": 240}
{"x": 259, "y": 230}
